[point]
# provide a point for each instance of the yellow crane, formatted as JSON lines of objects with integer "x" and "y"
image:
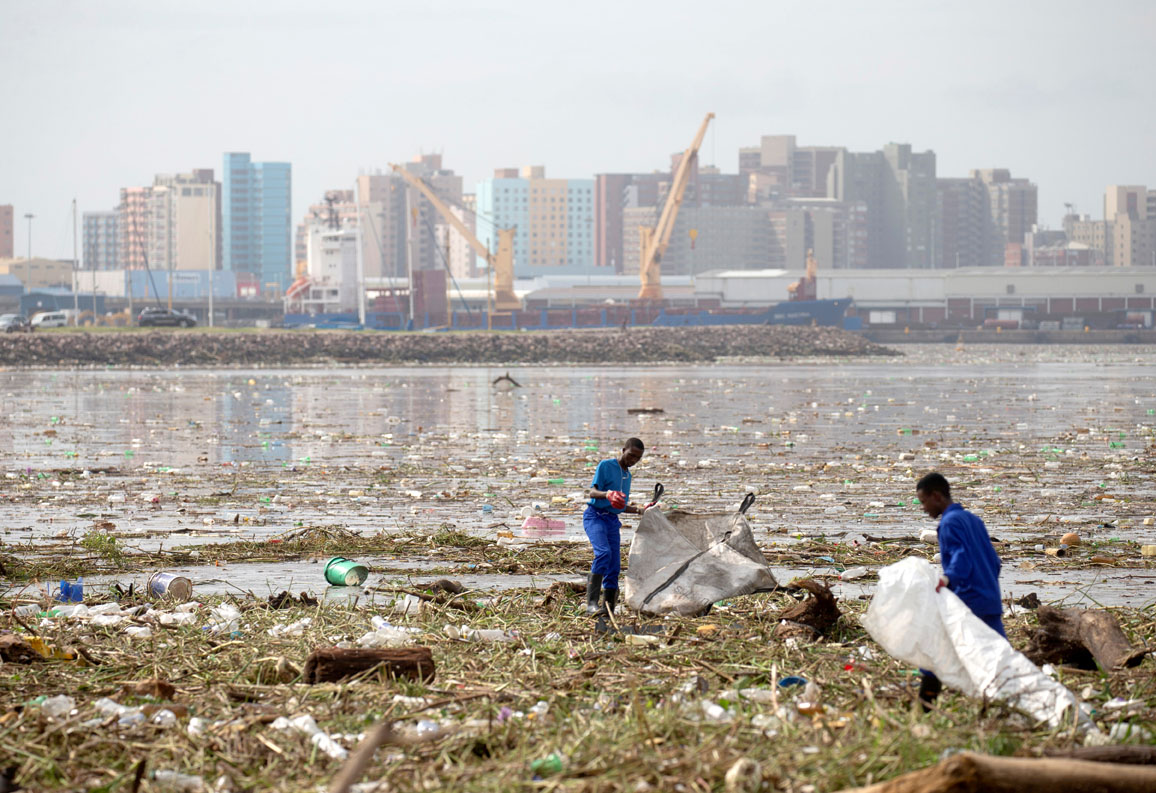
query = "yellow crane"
{"x": 653, "y": 241}
{"x": 501, "y": 264}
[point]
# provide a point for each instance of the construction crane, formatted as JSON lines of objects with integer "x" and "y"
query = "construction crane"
{"x": 501, "y": 264}
{"x": 653, "y": 241}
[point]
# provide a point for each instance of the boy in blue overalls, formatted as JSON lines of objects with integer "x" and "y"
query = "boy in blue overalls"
{"x": 609, "y": 496}
{"x": 970, "y": 564}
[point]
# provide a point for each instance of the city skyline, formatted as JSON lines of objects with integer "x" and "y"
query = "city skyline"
{"x": 593, "y": 95}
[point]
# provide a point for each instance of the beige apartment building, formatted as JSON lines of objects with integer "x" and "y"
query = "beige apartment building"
{"x": 1130, "y": 224}
{"x": 185, "y": 226}
{"x": 173, "y": 224}
{"x": 38, "y": 273}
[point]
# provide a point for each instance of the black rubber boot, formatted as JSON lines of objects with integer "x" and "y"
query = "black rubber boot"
{"x": 611, "y": 596}
{"x": 929, "y": 688}
{"x": 593, "y": 588}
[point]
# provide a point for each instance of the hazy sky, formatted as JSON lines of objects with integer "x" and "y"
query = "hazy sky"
{"x": 99, "y": 95}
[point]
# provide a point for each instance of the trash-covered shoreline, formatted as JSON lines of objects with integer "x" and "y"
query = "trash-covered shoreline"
{"x": 526, "y": 691}
{"x": 264, "y": 348}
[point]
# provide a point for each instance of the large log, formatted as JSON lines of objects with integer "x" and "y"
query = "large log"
{"x": 331, "y": 664}
{"x": 1081, "y": 638}
{"x": 977, "y": 773}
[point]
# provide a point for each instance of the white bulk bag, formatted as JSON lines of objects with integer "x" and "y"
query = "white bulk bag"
{"x": 682, "y": 563}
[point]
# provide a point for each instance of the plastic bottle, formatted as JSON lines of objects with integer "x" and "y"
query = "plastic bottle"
{"x": 852, "y": 573}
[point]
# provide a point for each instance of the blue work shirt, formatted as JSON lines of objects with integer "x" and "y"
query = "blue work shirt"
{"x": 610, "y": 475}
{"x": 969, "y": 562}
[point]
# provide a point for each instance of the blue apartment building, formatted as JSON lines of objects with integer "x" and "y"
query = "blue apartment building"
{"x": 256, "y": 220}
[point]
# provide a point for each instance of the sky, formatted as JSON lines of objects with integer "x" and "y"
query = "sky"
{"x": 96, "y": 96}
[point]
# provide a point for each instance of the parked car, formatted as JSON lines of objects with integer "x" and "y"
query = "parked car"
{"x": 155, "y": 317}
{"x": 50, "y": 319}
{"x": 15, "y": 323}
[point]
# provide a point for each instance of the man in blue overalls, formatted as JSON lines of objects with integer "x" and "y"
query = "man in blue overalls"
{"x": 970, "y": 564}
{"x": 609, "y": 496}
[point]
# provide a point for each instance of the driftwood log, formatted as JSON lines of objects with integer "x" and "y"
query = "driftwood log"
{"x": 1081, "y": 638}
{"x": 977, "y": 773}
{"x": 811, "y": 618}
{"x": 331, "y": 664}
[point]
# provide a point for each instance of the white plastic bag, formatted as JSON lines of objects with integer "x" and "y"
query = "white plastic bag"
{"x": 937, "y": 631}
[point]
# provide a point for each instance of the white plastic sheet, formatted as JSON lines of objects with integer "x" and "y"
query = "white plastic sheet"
{"x": 937, "y": 631}
{"x": 682, "y": 563}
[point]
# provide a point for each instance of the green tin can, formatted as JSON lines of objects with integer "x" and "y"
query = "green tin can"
{"x": 340, "y": 571}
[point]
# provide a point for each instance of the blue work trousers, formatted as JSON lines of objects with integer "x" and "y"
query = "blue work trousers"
{"x": 604, "y": 531}
{"x": 993, "y": 621}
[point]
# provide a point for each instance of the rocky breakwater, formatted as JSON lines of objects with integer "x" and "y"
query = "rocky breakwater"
{"x": 208, "y": 348}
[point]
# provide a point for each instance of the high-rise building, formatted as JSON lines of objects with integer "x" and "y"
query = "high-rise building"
{"x": 1011, "y": 211}
{"x": 6, "y": 223}
{"x": 962, "y": 206}
{"x": 706, "y": 186}
{"x": 173, "y": 224}
{"x": 257, "y": 219}
{"x": 100, "y": 251}
{"x": 132, "y": 227}
{"x": 899, "y": 189}
{"x": 1131, "y": 225}
{"x": 909, "y": 201}
{"x": 184, "y": 221}
{"x": 554, "y": 219}
{"x": 613, "y": 194}
{"x": 779, "y": 168}
{"x": 725, "y": 238}
{"x": 400, "y": 225}
{"x": 835, "y": 232}
{"x": 1095, "y": 234}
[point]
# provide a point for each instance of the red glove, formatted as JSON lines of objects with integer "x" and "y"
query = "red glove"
{"x": 616, "y": 498}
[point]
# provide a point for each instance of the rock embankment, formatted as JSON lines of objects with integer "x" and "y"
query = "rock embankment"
{"x": 201, "y": 348}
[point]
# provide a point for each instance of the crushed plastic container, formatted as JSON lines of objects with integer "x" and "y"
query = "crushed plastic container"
{"x": 57, "y": 706}
{"x": 176, "y": 781}
{"x": 469, "y": 634}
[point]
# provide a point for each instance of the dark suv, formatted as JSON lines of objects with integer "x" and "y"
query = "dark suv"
{"x": 154, "y": 317}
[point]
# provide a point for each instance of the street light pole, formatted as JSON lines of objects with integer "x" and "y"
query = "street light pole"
{"x": 75, "y": 271}
{"x": 29, "y": 216}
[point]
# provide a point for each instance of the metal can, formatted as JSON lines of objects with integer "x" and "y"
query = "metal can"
{"x": 340, "y": 571}
{"x": 169, "y": 585}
